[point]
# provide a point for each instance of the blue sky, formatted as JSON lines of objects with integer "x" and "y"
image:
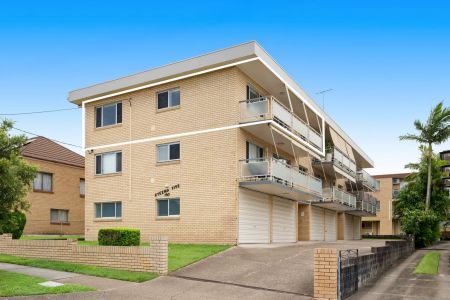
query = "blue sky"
{"x": 387, "y": 61}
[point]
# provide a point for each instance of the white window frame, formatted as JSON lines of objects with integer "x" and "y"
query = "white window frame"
{"x": 101, "y": 210}
{"x": 115, "y": 115}
{"x": 168, "y": 207}
{"x": 169, "y": 98}
{"x": 168, "y": 152}
{"x": 101, "y": 155}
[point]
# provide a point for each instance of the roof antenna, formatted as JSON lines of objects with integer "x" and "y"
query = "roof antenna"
{"x": 323, "y": 97}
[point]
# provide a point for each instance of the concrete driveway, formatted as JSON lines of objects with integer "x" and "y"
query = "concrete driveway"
{"x": 280, "y": 268}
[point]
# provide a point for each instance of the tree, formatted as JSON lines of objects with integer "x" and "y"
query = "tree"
{"x": 411, "y": 206}
{"x": 435, "y": 131}
{"x": 16, "y": 176}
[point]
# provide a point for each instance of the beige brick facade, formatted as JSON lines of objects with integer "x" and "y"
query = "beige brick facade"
{"x": 65, "y": 195}
{"x": 325, "y": 273}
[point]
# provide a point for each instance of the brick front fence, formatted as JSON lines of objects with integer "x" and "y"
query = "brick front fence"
{"x": 133, "y": 258}
{"x": 338, "y": 277}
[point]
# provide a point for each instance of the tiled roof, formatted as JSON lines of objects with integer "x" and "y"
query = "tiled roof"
{"x": 45, "y": 149}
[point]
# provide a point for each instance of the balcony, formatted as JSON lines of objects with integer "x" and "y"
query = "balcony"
{"x": 275, "y": 177}
{"x": 366, "y": 204}
{"x": 395, "y": 194}
{"x": 336, "y": 158}
{"x": 337, "y": 199}
{"x": 269, "y": 108}
{"x": 367, "y": 182}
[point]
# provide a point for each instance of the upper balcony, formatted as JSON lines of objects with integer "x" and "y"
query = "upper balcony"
{"x": 275, "y": 177}
{"x": 269, "y": 108}
{"x": 366, "y": 204}
{"x": 337, "y": 199}
{"x": 367, "y": 182}
{"x": 336, "y": 161}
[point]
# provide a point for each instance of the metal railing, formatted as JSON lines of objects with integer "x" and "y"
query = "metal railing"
{"x": 336, "y": 194}
{"x": 367, "y": 180}
{"x": 366, "y": 202}
{"x": 268, "y": 107}
{"x": 277, "y": 170}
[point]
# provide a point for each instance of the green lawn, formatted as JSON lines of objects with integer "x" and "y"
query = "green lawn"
{"x": 429, "y": 264}
{"x": 77, "y": 268}
{"x": 181, "y": 255}
{"x": 15, "y": 284}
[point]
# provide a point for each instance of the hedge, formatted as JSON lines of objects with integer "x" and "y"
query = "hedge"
{"x": 14, "y": 225}
{"x": 119, "y": 237}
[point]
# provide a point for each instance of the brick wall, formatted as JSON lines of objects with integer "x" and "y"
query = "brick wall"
{"x": 138, "y": 259}
{"x": 357, "y": 271}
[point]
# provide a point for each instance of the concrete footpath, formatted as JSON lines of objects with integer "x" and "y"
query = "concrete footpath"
{"x": 401, "y": 283}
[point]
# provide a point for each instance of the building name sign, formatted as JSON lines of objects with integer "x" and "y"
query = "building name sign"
{"x": 166, "y": 191}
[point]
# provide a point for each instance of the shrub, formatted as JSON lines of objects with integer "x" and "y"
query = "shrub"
{"x": 15, "y": 224}
{"x": 119, "y": 237}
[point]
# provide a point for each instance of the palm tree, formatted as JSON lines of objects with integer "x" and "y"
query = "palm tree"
{"x": 435, "y": 131}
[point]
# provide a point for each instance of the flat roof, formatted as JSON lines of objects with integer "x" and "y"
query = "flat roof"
{"x": 220, "y": 58}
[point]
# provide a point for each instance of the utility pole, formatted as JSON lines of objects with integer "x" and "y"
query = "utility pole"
{"x": 323, "y": 96}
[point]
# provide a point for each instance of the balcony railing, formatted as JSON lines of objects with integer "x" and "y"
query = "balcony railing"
{"x": 278, "y": 171}
{"x": 340, "y": 160}
{"x": 338, "y": 195}
{"x": 366, "y": 202}
{"x": 269, "y": 108}
{"x": 367, "y": 180}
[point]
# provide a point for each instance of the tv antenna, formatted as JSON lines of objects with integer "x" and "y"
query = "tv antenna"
{"x": 323, "y": 96}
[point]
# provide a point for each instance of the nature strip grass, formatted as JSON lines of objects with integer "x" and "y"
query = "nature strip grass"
{"x": 429, "y": 264}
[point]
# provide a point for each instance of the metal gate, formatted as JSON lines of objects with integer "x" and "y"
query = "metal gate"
{"x": 347, "y": 273}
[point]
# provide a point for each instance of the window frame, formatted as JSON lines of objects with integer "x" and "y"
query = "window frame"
{"x": 59, "y": 221}
{"x": 102, "y": 164}
{"x": 41, "y": 190}
{"x": 169, "y": 99}
{"x": 168, "y": 207}
{"x": 84, "y": 180}
{"x": 116, "y": 114}
{"x": 261, "y": 152}
{"x": 168, "y": 150}
{"x": 101, "y": 210}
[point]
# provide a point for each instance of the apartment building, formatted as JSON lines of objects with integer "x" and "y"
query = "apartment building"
{"x": 220, "y": 148}
{"x": 385, "y": 222}
{"x": 445, "y": 155}
{"x": 57, "y": 197}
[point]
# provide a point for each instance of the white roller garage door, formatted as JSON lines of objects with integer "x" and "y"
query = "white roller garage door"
{"x": 316, "y": 224}
{"x": 283, "y": 221}
{"x": 356, "y": 228}
{"x": 253, "y": 217}
{"x": 330, "y": 225}
{"x": 348, "y": 229}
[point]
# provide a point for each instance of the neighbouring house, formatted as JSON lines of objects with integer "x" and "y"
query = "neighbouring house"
{"x": 220, "y": 148}
{"x": 385, "y": 222}
{"x": 57, "y": 196}
{"x": 445, "y": 155}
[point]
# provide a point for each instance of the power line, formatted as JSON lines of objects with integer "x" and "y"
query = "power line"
{"x": 24, "y": 131}
{"x": 39, "y": 112}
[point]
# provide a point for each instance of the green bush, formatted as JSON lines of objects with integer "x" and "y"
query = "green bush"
{"x": 15, "y": 224}
{"x": 119, "y": 237}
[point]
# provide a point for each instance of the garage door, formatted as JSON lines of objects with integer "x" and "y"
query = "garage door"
{"x": 348, "y": 229}
{"x": 283, "y": 221}
{"x": 253, "y": 217}
{"x": 316, "y": 224}
{"x": 356, "y": 228}
{"x": 330, "y": 225}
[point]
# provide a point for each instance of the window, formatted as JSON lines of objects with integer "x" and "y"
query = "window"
{"x": 254, "y": 152}
{"x": 252, "y": 93}
{"x": 59, "y": 215}
{"x": 169, "y": 98}
{"x": 82, "y": 187}
{"x": 107, "y": 115}
{"x": 108, "y": 210}
{"x": 367, "y": 225}
{"x": 168, "y": 207}
{"x": 168, "y": 152}
{"x": 43, "y": 182}
{"x": 108, "y": 163}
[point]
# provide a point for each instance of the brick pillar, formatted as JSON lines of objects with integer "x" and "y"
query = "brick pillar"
{"x": 325, "y": 273}
{"x": 159, "y": 252}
